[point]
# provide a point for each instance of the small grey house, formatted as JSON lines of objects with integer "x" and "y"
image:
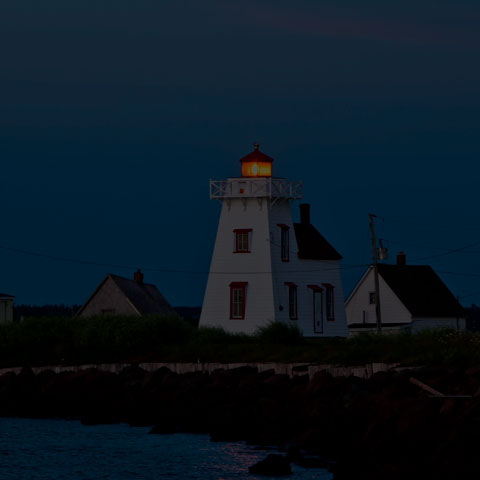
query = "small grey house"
{"x": 412, "y": 297}
{"x": 6, "y": 308}
{"x": 123, "y": 296}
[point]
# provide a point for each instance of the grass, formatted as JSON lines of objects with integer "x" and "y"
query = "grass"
{"x": 57, "y": 340}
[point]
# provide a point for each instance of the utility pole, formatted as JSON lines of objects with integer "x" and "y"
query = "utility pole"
{"x": 375, "y": 272}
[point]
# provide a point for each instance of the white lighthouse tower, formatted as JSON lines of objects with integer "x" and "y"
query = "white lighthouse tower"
{"x": 264, "y": 267}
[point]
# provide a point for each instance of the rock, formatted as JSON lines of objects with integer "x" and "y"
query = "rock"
{"x": 295, "y": 456}
{"x": 274, "y": 465}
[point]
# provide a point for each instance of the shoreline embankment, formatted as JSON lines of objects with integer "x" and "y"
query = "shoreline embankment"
{"x": 279, "y": 368}
{"x": 368, "y": 422}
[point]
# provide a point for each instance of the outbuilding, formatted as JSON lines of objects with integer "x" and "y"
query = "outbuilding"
{"x": 117, "y": 295}
{"x": 6, "y": 308}
{"x": 412, "y": 298}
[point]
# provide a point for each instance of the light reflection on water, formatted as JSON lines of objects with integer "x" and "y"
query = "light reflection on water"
{"x": 54, "y": 449}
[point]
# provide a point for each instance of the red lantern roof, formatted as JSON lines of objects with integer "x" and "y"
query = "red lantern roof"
{"x": 256, "y": 156}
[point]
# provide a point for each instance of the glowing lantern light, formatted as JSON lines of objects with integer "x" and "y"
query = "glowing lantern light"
{"x": 256, "y": 164}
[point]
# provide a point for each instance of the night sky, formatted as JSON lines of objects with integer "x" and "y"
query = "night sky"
{"x": 115, "y": 114}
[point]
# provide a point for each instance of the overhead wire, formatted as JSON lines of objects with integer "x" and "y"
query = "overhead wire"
{"x": 432, "y": 225}
{"x": 448, "y": 252}
{"x": 444, "y": 251}
{"x": 426, "y": 247}
{"x": 163, "y": 269}
{"x": 469, "y": 295}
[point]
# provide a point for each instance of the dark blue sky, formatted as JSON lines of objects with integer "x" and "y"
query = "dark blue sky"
{"x": 115, "y": 114}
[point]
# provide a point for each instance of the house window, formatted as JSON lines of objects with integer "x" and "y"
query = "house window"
{"x": 371, "y": 298}
{"x": 284, "y": 242}
{"x": 242, "y": 240}
{"x": 329, "y": 301}
{"x": 237, "y": 300}
{"x": 317, "y": 308}
{"x": 365, "y": 317}
{"x": 292, "y": 300}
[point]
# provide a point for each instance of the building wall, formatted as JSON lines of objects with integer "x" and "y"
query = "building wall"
{"x": 303, "y": 273}
{"x": 227, "y": 267}
{"x": 108, "y": 300}
{"x": 265, "y": 272}
{"x": 6, "y": 310}
{"x": 392, "y": 309}
{"x": 420, "y": 324}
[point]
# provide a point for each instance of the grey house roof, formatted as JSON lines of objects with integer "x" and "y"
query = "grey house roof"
{"x": 421, "y": 290}
{"x": 144, "y": 297}
{"x": 312, "y": 245}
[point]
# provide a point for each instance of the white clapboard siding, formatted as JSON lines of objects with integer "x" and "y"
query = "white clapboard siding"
{"x": 265, "y": 272}
{"x": 428, "y": 323}
{"x": 227, "y": 267}
{"x": 392, "y": 309}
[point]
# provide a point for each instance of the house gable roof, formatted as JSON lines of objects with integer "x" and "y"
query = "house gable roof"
{"x": 6, "y": 295}
{"x": 312, "y": 245}
{"x": 145, "y": 298}
{"x": 421, "y": 290}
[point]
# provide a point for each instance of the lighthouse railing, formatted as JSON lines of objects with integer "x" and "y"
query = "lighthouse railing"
{"x": 255, "y": 187}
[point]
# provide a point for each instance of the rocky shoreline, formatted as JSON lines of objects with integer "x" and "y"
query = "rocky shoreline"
{"x": 381, "y": 427}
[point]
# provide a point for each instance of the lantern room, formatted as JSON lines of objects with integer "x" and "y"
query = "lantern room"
{"x": 256, "y": 164}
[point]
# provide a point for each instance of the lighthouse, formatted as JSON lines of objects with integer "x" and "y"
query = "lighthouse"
{"x": 264, "y": 267}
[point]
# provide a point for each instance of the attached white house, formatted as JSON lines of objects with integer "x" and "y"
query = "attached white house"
{"x": 412, "y": 298}
{"x": 6, "y": 308}
{"x": 264, "y": 267}
{"x": 117, "y": 295}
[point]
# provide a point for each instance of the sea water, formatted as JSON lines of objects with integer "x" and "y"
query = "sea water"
{"x": 66, "y": 449}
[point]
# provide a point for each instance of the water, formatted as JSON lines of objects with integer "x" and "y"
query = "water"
{"x": 65, "y": 449}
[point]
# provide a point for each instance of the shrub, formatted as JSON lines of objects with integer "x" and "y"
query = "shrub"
{"x": 281, "y": 333}
{"x": 217, "y": 335}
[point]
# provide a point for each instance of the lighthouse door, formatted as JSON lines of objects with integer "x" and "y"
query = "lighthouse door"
{"x": 318, "y": 311}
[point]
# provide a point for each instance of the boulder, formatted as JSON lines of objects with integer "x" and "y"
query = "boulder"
{"x": 274, "y": 465}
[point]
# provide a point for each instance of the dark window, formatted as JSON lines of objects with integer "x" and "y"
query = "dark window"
{"x": 242, "y": 240}
{"x": 237, "y": 300}
{"x": 329, "y": 301}
{"x": 317, "y": 308}
{"x": 284, "y": 242}
{"x": 292, "y": 300}
{"x": 371, "y": 298}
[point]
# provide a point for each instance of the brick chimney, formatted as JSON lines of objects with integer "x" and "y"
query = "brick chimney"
{"x": 305, "y": 213}
{"x": 401, "y": 259}
{"x": 138, "y": 276}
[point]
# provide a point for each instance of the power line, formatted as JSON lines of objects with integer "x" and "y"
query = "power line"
{"x": 429, "y": 247}
{"x": 64, "y": 259}
{"x": 163, "y": 269}
{"x": 449, "y": 252}
{"x": 460, "y": 274}
{"x": 469, "y": 295}
{"x": 431, "y": 225}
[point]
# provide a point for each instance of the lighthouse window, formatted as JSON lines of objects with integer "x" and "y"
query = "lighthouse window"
{"x": 242, "y": 240}
{"x": 237, "y": 300}
{"x": 292, "y": 300}
{"x": 329, "y": 301}
{"x": 284, "y": 243}
{"x": 317, "y": 308}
